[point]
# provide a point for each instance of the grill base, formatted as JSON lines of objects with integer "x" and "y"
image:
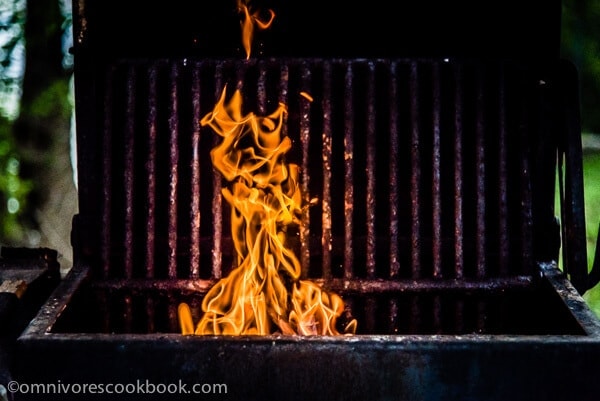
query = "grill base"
{"x": 69, "y": 341}
{"x": 400, "y": 368}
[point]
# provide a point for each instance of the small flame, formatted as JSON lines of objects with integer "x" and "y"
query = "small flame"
{"x": 250, "y": 21}
{"x": 263, "y": 294}
{"x": 306, "y": 96}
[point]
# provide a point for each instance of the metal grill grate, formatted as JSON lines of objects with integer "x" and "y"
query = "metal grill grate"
{"x": 421, "y": 168}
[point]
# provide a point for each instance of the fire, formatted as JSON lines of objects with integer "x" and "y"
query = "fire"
{"x": 250, "y": 21}
{"x": 306, "y": 96}
{"x": 263, "y": 294}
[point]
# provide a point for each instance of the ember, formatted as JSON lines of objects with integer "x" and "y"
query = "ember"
{"x": 265, "y": 199}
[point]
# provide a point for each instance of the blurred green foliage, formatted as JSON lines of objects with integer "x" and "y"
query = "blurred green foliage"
{"x": 14, "y": 190}
{"x": 51, "y": 102}
{"x": 591, "y": 168}
{"x": 580, "y": 43}
{"x": 35, "y": 111}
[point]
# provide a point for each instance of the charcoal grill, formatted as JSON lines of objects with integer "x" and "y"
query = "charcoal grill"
{"x": 435, "y": 173}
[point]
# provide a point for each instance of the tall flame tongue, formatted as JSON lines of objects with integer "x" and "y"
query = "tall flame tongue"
{"x": 263, "y": 294}
{"x": 250, "y": 21}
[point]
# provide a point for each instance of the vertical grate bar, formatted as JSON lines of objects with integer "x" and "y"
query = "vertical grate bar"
{"x": 394, "y": 315}
{"x": 481, "y": 316}
{"x": 241, "y": 75}
{"x": 174, "y": 175}
{"x": 283, "y": 93}
{"x": 195, "y": 213}
{"x": 458, "y": 178}
{"x": 348, "y": 173}
{"x": 127, "y": 314}
{"x": 305, "y": 141}
{"x": 526, "y": 210}
{"x": 459, "y": 316}
{"x": 327, "y": 143}
{"x": 503, "y": 184}
{"x": 262, "y": 89}
{"x": 415, "y": 170}
{"x": 370, "y": 315}
{"x": 151, "y": 171}
{"x": 173, "y": 318}
{"x": 480, "y": 174}
{"x": 217, "y": 205}
{"x": 104, "y": 305}
{"x": 107, "y": 174}
{"x": 414, "y": 325}
{"x": 436, "y": 181}
{"x": 128, "y": 173}
{"x": 371, "y": 173}
{"x": 394, "y": 173}
{"x": 150, "y": 315}
{"x": 437, "y": 315}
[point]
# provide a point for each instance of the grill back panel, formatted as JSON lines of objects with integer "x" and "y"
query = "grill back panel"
{"x": 423, "y": 169}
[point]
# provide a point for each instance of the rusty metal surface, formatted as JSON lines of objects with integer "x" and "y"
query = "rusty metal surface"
{"x": 434, "y": 217}
{"x": 401, "y": 368}
{"x": 419, "y": 168}
{"x": 27, "y": 277}
{"x": 433, "y": 180}
{"x": 552, "y": 289}
{"x": 379, "y": 367}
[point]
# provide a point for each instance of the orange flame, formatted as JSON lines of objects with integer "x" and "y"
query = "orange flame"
{"x": 249, "y": 22}
{"x": 265, "y": 200}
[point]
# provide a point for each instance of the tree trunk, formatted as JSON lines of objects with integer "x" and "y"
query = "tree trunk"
{"x": 42, "y": 130}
